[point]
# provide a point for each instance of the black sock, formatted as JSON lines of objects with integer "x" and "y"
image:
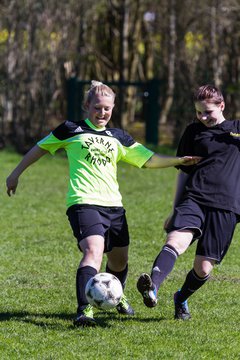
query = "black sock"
{"x": 83, "y": 275}
{"x": 163, "y": 264}
{"x": 121, "y": 275}
{"x": 192, "y": 283}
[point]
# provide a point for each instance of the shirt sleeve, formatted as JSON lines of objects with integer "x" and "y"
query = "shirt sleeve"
{"x": 51, "y": 143}
{"x": 136, "y": 154}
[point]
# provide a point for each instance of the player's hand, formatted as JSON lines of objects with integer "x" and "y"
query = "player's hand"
{"x": 190, "y": 160}
{"x": 12, "y": 183}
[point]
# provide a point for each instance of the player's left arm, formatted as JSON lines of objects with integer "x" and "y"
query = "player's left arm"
{"x": 138, "y": 155}
{"x": 162, "y": 161}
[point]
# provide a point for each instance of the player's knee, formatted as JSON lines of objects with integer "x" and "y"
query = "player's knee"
{"x": 93, "y": 255}
{"x": 203, "y": 269}
{"x": 179, "y": 247}
{"x": 179, "y": 240}
{"x": 202, "y": 273}
{"x": 118, "y": 259}
{"x": 118, "y": 264}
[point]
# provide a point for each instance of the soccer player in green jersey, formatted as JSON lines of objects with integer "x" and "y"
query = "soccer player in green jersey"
{"x": 94, "y": 203}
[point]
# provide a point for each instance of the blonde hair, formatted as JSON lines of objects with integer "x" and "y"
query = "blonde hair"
{"x": 97, "y": 87}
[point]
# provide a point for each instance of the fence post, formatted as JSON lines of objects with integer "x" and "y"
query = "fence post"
{"x": 75, "y": 95}
{"x": 152, "y": 112}
{"x": 71, "y": 95}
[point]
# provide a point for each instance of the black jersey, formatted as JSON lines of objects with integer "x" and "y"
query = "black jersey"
{"x": 214, "y": 181}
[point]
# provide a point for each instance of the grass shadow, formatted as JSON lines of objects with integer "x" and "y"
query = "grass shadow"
{"x": 48, "y": 320}
{"x": 38, "y": 319}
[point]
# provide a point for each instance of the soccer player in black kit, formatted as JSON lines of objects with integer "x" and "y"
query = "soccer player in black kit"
{"x": 207, "y": 201}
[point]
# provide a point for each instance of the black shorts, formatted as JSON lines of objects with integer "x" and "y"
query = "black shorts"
{"x": 212, "y": 227}
{"x": 109, "y": 222}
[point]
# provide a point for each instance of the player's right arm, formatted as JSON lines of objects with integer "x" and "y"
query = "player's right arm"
{"x": 163, "y": 161}
{"x": 181, "y": 182}
{"x": 33, "y": 155}
{"x": 180, "y": 187}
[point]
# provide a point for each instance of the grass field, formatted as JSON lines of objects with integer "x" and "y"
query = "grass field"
{"x": 39, "y": 258}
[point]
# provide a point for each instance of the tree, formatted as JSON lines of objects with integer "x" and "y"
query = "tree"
{"x": 42, "y": 44}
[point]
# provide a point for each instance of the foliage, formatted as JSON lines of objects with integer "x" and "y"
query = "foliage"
{"x": 44, "y": 43}
{"x": 39, "y": 258}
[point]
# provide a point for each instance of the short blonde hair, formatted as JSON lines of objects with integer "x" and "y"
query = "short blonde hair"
{"x": 97, "y": 87}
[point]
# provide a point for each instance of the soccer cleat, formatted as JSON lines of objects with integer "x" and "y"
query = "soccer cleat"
{"x": 148, "y": 290}
{"x": 124, "y": 307}
{"x": 85, "y": 318}
{"x": 181, "y": 309}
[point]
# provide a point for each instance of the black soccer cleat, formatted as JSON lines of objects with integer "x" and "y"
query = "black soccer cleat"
{"x": 85, "y": 318}
{"x": 124, "y": 308}
{"x": 181, "y": 309}
{"x": 147, "y": 289}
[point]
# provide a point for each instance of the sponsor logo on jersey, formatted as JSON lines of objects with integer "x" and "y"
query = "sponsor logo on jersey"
{"x": 109, "y": 133}
{"x": 93, "y": 141}
{"x": 235, "y": 135}
{"x": 99, "y": 150}
{"x": 78, "y": 129}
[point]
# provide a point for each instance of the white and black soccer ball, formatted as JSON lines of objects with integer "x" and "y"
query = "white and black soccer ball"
{"x": 104, "y": 291}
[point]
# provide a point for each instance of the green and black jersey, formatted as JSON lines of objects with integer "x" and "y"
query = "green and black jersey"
{"x": 93, "y": 155}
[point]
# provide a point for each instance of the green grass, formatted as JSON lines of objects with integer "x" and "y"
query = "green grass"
{"x": 39, "y": 258}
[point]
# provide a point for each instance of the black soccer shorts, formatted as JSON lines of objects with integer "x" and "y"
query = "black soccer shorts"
{"x": 109, "y": 222}
{"x": 212, "y": 227}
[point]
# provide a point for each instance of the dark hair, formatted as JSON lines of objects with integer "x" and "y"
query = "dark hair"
{"x": 210, "y": 93}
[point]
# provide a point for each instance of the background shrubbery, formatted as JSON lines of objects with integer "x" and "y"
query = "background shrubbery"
{"x": 182, "y": 43}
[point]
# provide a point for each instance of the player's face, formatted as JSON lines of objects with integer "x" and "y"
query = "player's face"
{"x": 209, "y": 114}
{"x": 100, "y": 110}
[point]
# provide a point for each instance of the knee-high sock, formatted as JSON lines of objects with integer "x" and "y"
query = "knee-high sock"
{"x": 192, "y": 283}
{"x": 163, "y": 264}
{"x": 83, "y": 275}
{"x": 121, "y": 275}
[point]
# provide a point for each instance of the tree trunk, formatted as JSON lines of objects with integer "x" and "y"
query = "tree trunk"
{"x": 171, "y": 65}
{"x": 215, "y": 35}
{"x": 124, "y": 58}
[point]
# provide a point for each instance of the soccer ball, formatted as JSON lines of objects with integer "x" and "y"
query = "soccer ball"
{"x": 104, "y": 291}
